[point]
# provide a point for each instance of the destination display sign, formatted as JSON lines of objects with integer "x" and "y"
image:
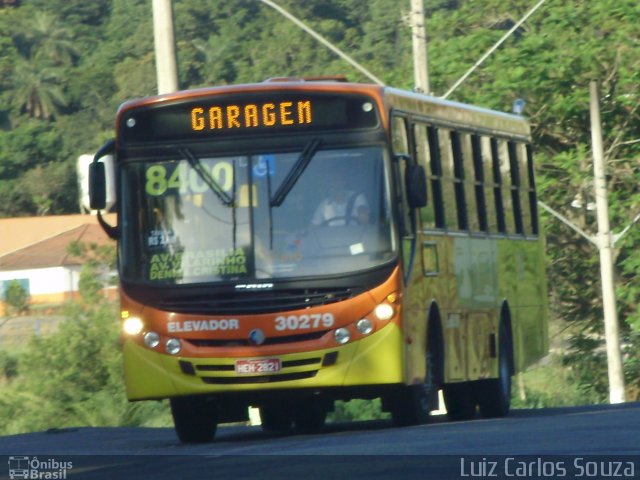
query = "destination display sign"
{"x": 248, "y": 114}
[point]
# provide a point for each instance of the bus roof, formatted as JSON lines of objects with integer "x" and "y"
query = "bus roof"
{"x": 455, "y": 114}
{"x": 430, "y": 108}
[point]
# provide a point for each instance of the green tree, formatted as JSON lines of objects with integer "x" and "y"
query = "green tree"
{"x": 50, "y": 40}
{"x": 16, "y": 297}
{"x": 50, "y": 186}
{"x": 38, "y": 91}
{"x": 74, "y": 377}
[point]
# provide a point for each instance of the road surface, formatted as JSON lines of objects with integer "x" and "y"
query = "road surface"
{"x": 580, "y": 442}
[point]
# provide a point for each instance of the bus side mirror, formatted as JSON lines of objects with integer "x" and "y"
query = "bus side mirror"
{"x": 98, "y": 177}
{"x": 97, "y": 186}
{"x": 416, "y": 186}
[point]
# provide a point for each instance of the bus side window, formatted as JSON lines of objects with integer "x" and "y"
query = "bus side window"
{"x": 489, "y": 185}
{"x": 473, "y": 208}
{"x": 533, "y": 200}
{"x": 514, "y": 168}
{"x": 400, "y": 145}
{"x": 435, "y": 175}
{"x": 423, "y": 157}
{"x": 523, "y": 190}
{"x": 478, "y": 183}
{"x": 501, "y": 182}
{"x": 458, "y": 180}
{"x": 448, "y": 178}
{"x": 399, "y": 140}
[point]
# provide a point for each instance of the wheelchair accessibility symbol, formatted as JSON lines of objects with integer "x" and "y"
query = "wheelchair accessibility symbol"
{"x": 266, "y": 164}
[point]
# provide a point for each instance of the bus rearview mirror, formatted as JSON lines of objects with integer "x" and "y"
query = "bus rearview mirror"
{"x": 97, "y": 186}
{"x": 98, "y": 177}
{"x": 416, "y": 186}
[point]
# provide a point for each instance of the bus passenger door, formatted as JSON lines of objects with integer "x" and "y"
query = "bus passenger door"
{"x": 414, "y": 324}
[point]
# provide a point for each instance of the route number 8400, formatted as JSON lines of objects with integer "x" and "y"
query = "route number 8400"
{"x": 163, "y": 177}
{"x": 304, "y": 322}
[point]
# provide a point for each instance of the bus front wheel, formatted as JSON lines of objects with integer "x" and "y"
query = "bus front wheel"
{"x": 309, "y": 415}
{"x": 411, "y": 405}
{"x": 194, "y": 418}
{"x": 276, "y": 417}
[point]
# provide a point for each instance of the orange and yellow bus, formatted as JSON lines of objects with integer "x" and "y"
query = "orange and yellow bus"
{"x": 287, "y": 244}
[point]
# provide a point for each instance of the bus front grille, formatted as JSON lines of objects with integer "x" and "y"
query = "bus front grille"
{"x": 284, "y": 377}
{"x": 244, "y": 342}
{"x": 254, "y": 302}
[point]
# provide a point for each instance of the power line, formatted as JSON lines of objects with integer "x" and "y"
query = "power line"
{"x": 493, "y": 49}
{"x": 322, "y": 40}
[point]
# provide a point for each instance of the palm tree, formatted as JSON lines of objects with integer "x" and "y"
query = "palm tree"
{"x": 37, "y": 89}
{"x": 50, "y": 40}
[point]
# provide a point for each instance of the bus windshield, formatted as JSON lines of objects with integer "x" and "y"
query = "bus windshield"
{"x": 201, "y": 218}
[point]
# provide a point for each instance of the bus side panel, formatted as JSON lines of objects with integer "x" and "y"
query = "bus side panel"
{"x": 531, "y": 309}
{"x": 415, "y": 303}
{"x": 522, "y": 284}
{"x": 473, "y": 318}
{"x": 433, "y": 282}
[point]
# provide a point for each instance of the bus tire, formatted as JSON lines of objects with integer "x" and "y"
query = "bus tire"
{"x": 494, "y": 395}
{"x": 460, "y": 401}
{"x": 310, "y": 415}
{"x": 276, "y": 418}
{"x": 410, "y": 406}
{"x": 194, "y": 419}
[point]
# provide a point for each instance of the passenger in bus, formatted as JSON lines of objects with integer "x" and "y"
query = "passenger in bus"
{"x": 342, "y": 206}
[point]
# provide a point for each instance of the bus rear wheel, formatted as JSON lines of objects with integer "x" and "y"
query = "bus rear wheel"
{"x": 460, "y": 401}
{"x": 194, "y": 418}
{"x": 494, "y": 395}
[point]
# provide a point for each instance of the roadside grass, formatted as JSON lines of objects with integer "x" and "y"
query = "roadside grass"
{"x": 549, "y": 384}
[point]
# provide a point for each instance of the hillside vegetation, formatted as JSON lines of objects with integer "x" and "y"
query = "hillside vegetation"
{"x": 66, "y": 65}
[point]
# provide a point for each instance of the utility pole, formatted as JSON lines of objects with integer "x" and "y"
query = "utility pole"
{"x": 165, "y": 46}
{"x": 605, "y": 247}
{"x": 419, "y": 36}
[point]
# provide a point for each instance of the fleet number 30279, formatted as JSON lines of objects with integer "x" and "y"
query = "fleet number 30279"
{"x": 304, "y": 322}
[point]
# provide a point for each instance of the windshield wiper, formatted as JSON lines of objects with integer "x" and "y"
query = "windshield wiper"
{"x": 202, "y": 172}
{"x": 294, "y": 174}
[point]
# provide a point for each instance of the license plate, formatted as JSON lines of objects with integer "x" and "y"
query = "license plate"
{"x": 257, "y": 366}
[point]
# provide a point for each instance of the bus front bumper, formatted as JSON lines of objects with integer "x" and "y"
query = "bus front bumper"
{"x": 373, "y": 360}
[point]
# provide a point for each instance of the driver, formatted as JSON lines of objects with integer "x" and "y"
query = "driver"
{"x": 341, "y": 206}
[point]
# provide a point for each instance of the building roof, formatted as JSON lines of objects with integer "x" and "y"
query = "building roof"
{"x": 40, "y": 242}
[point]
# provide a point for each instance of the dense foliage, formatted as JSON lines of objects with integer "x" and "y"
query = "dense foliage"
{"x": 16, "y": 297}
{"x": 73, "y": 377}
{"x": 65, "y": 66}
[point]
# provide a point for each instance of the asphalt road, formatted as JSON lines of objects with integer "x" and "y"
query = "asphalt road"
{"x": 580, "y": 442}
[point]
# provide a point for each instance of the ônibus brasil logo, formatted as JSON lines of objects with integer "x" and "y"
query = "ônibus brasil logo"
{"x": 33, "y": 468}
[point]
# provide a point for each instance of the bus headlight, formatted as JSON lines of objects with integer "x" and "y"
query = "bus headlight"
{"x": 364, "y": 326}
{"x": 132, "y": 326}
{"x": 151, "y": 339}
{"x": 384, "y": 311}
{"x": 342, "y": 335}
{"x": 173, "y": 346}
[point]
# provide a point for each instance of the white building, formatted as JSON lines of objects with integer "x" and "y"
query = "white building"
{"x": 34, "y": 251}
